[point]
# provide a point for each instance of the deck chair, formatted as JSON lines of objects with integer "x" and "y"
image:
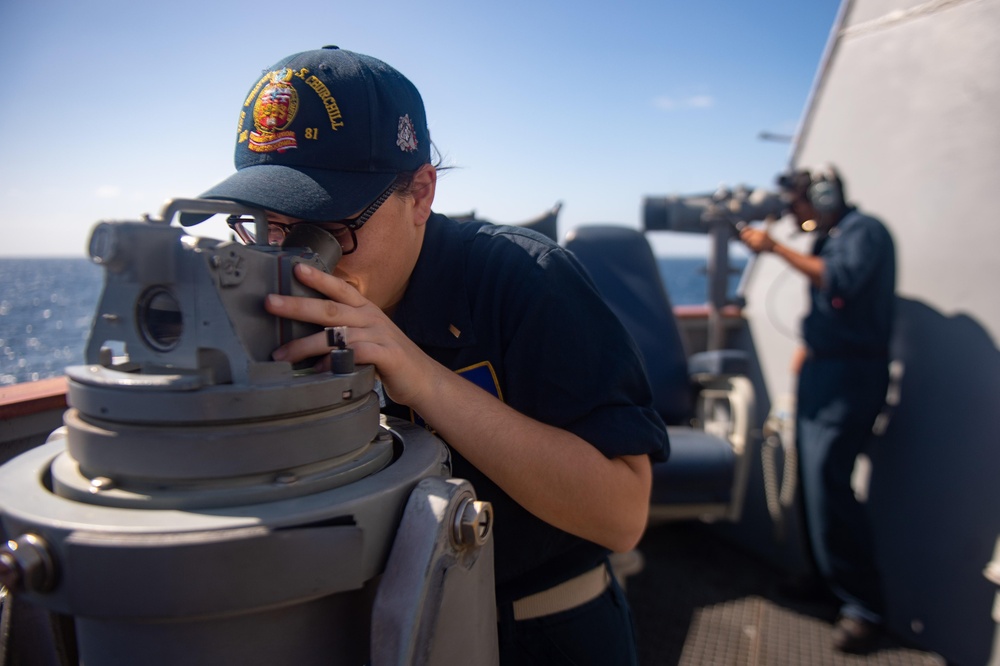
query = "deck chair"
{"x": 705, "y": 400}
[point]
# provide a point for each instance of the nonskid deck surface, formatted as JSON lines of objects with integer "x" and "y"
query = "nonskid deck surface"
{"x": 700, "y": 601}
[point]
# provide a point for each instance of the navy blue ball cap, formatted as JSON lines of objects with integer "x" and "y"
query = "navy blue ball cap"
{"x": 322, "y": 133}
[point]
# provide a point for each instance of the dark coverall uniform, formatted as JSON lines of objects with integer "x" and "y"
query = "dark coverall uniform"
{"x": 841, "y": 390}
{"x": 517, "y": 315}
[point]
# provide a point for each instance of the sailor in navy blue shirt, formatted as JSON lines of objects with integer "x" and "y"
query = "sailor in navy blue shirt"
{"x": 501, "y": 345}
{"x": 852, "y": 311}
{"x": 843, "y": 377}
{"x": 516, "y": 315}
{"x": 493, "y": 337}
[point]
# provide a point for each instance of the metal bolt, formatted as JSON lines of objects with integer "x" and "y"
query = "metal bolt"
{"x": 473, "y": 522}
{"x": 10, "y": 573}
{"x": 105, "y": 357}
{"x": 26, "y": 565}
{"x": 99, "y": 483}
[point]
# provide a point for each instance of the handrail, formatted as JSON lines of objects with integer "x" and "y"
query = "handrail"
{"x": 27, "y": 398}
{"x": 700, "y": 311}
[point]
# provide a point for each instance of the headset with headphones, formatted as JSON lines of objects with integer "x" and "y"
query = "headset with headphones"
{"x": 826, "y": 192}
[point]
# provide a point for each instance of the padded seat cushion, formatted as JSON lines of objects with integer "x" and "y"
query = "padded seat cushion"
{"x": 622, "y": 265}
{"x": 699, "y": 471}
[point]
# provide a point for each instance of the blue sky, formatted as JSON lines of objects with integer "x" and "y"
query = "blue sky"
{"x": 113, "y": 107}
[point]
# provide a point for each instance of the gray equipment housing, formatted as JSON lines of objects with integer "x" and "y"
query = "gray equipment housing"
{"x": 203, "y": 504}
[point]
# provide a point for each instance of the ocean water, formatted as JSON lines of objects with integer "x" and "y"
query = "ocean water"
{"x": 686, "y": 278}
{"x": 47, "y": 306}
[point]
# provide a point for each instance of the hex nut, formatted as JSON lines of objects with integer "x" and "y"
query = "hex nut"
{"x": 473, "y": 523}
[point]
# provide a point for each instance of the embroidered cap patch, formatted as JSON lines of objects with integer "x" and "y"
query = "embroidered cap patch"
{"x": 273, "y": 112}
{"x": 406, "y": 138}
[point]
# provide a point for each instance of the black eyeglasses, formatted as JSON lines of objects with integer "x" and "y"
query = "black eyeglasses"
{"x": 343, "y": 230}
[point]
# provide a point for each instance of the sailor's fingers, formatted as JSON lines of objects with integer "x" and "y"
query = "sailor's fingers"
{"x": 756, "y": 239}
{"x": 308, "y": 347}
{"x": 330, "y": 286}
{"x": 320, "y": 311}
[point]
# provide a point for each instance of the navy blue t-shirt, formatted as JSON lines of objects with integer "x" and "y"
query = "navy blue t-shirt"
{"x": 851, "y": 315}
{"x": 516, "y": 314}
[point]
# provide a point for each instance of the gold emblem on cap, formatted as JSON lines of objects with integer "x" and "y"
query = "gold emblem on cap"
{"x": 273, "y": 112}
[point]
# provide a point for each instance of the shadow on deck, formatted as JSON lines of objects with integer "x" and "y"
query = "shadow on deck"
{"x": 701, "y": 601}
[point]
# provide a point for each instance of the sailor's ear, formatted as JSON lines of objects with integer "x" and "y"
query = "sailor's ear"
{"x": 422, "y": 191}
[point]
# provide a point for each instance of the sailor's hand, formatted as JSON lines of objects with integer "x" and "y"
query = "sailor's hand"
{"x": 798, "y": 358}
{"x": 406, "y": 372}
{"x": 757, "y": 240}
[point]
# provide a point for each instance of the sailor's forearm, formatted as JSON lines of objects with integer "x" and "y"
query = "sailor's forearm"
{"x": 557, "y": 476}
{"x": 809, "y": 265}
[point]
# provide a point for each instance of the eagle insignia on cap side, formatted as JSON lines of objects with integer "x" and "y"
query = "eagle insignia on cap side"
{"x": 406, "y": 137}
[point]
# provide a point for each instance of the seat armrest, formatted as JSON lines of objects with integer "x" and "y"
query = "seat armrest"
{"x": 719, "y": 362}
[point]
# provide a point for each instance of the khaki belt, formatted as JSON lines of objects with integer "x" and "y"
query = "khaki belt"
{"x": 569, "y": 594}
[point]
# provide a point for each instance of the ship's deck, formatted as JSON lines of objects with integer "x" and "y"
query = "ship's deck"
{"x": 700, "y": 601}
